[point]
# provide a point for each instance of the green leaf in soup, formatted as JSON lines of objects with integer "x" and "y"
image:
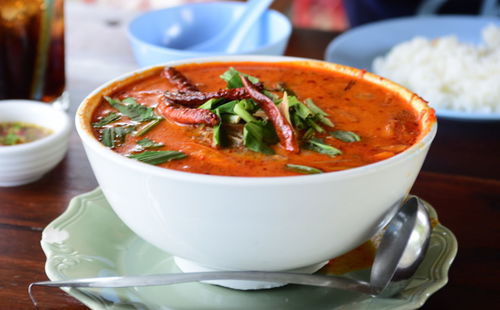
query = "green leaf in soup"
{"x": 321, "y": 115}
{"x": 270, "y": 135}
{"x": 257, "y": 137}
{"x": 317, "y": 145}
{"x": 282, "y": 87}
{"x": 133, "y": 110}
{"x": 233, "y": 80}
{"x": 108, "y": 137}
{"x": 217, "y": 132}
{"x": 227, "y": 108}
{"x": 239, "y": 109}
{"x": 114, "y": 136}
{"x": 147, "y": 127}
{"x": 230, "y": 119}
{"x": 148, "y": 143}
{"x": 308, "y": 134}
{"x": 298, "y": 108}
{"x": 157, "y": 157}
{"x": 303, "y": 169}
{"x": 210, "y": 104}
{"x": 249, "y": 105}
{"x": 346, "y": 136}
{"x": 11, "y": 139}
{"x": 313, "y": 107}
{"x": 106, "y": 119}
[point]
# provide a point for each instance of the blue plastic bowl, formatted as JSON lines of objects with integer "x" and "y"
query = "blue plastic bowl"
{"x": 164, "y": 35}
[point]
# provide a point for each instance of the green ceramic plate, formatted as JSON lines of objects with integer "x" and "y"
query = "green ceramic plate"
{"x": 89, "y": 240}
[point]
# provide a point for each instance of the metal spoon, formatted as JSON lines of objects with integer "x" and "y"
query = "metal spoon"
{"x": 230, "y": 38}
{"x": 400, "y": 252}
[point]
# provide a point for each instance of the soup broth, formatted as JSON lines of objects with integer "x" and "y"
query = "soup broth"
{"x": 337, "y": 121}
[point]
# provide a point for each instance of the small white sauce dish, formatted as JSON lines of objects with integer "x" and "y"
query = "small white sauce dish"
{"x": 25, "y": 163}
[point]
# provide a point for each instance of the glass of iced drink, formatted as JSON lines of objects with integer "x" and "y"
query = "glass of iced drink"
{"x": 32, "y": 51}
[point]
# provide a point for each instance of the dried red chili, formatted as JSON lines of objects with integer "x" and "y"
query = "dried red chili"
{"x": 185, "y": 115}
{"x": 283, "y": 128}
{"x": 196, "y": 98}
{"x": 178, "y": 79}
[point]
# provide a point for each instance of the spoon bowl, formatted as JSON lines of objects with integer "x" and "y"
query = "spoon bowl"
{"x": 403, "y": 245}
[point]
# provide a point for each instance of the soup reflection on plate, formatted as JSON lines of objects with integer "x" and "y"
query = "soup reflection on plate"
{"x": 255, "y": 119}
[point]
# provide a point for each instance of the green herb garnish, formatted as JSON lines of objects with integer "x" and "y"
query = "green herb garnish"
{"x": 317, "y": 145}
{"x": 147, "y": 127}
{"x": 157, "y": 157}
{"x": 209, "y": 104}
{"x": 346, "y": 136}
{"x": 133, "y": 110}
{"x": 11, "y": 139}
{"x": 149, "y": 144}
{"x": 226, "y": 108}
{"x": 106, "y": 119}
{"x": 305, "y": 116}
{"x": 258, "y": 136}
{"x": 319, "y": 114}
{"x": 216, "y": 135}
{"x": 114, "y": 136}
{"x": 303, "y": 169}
{"x": 232, "y": 77}
{"x": 240, "y": 110}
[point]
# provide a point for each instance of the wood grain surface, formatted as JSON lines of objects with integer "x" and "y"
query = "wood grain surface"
{"x": 461, "y": 179}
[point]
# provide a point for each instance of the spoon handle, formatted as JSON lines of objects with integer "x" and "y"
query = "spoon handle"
{"x": 247, "y": 20}
{"x": 174, "y": 278}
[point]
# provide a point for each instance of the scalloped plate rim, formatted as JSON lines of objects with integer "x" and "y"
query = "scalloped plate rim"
{"x": 74, "y": 209}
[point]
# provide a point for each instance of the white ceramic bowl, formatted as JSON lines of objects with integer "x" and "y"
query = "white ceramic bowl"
{"x": 269, "y": 223}
{"x": 25, "y": 163}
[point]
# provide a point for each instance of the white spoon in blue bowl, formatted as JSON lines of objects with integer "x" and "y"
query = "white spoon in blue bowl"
{"x": 230, "y": 38}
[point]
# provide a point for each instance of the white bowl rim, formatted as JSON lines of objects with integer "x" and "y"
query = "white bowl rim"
{"x": 286, "y": 33}
{"x": 92, "y": 142}
{"x": 29, "y": 105}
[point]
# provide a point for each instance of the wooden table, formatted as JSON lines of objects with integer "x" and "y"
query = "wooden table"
{"x": 461, "y": 179}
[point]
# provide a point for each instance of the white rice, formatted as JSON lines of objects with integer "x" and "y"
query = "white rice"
{"x": 449, "y": 74}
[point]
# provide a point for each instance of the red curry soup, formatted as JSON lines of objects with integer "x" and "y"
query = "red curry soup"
{"x": 256, "y": 119}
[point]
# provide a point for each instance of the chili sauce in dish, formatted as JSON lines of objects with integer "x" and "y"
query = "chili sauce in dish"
{"x": 255, "y": 119}
{"x": 12, "y": 133}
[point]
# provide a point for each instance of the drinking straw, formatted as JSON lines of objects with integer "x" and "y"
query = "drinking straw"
{"x": 38, "y": 81}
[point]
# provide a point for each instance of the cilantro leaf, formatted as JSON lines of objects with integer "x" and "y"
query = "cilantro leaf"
{"x": 157, "y": 157}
